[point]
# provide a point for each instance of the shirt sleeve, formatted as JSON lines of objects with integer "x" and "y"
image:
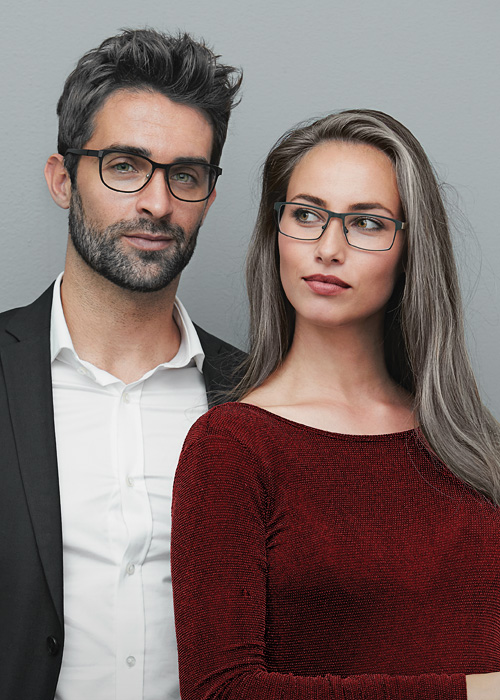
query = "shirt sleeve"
{"x": 219, "y": 577}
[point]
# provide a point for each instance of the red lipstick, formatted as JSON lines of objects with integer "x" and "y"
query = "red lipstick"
{"x": 326, "y": 285}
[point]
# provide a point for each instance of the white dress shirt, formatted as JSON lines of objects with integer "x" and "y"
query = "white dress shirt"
{"x": 117, "y": 449}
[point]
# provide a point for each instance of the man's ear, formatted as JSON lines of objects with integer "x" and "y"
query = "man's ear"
{"x": 58, "y": 180}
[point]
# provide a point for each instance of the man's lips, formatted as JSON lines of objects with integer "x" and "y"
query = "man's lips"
{"x": 148, "y": 241}
{"x": 326, "y": 285}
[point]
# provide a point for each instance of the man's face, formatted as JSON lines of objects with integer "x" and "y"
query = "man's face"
{"x": 140, "y": 241}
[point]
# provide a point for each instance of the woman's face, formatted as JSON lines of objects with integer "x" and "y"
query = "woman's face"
{"x": 328, "y": 282}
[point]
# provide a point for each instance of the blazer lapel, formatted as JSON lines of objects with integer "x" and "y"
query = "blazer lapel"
{"x": 27, "y": 371}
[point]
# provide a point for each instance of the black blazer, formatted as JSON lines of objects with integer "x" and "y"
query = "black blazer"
{"x": 31, "y": 576}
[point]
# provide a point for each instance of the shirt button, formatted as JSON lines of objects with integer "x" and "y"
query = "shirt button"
{"x": 130, "y": 481}
{"x": 130, "y": 570}
{"x": 130, "y": 661}
{"x": 82, "y": 370}
{"x": 126, "y": 398}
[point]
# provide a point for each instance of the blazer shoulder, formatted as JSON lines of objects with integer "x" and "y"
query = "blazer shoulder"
{"x": 25, "y": 321}
{"x": 215, "y": 347}
{"x": 222, "y": 367}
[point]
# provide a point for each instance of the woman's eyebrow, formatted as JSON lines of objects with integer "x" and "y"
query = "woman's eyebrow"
{"x": 311, "y": 198}
{"x": 359, "y": 206}
{"x": 369, "y": 206}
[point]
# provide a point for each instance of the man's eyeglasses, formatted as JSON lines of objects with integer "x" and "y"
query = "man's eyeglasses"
{"x": 123, "y": 171}
{"x": 306, "y": 222}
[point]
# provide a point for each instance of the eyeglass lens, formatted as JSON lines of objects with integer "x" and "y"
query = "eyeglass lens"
{"x": 128, "y": 173}
{"x": 363, "y": 230}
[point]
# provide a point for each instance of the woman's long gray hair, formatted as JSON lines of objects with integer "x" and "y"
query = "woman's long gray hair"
{"x": 424, "y": 332}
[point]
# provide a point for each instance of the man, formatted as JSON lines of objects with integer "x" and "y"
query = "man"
{"x": 102, "y": 376}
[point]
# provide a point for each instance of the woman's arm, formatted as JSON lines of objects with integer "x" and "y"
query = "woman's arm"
{"x": 483, "y": 686}
{"x": 219, "y": 575}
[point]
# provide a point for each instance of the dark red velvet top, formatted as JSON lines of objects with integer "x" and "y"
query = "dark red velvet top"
{"x": 310, "y": 565}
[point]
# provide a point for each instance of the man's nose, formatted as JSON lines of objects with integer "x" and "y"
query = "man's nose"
{"x": 155, "y": 198}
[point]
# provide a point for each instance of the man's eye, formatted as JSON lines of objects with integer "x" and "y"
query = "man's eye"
{"x": 123, "y": 167}
{"x": 125, "y": 164}
{"x": 183, "y": 177}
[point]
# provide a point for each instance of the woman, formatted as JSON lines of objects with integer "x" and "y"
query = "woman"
{"x": 335, "y": 532}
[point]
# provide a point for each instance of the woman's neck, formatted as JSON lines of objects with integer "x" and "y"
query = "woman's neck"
{"x": 336, "y": 379}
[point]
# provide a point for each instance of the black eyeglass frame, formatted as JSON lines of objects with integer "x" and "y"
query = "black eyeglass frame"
{"x": 164, "y": 166}
{"x": 400, "y": 225}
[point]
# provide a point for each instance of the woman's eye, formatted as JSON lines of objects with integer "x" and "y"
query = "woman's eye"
{"x": 306, "y": 216}
{"x": 366, "y": 224}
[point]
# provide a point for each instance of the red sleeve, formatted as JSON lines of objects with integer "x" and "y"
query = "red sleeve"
{"x": 219, "y": 582}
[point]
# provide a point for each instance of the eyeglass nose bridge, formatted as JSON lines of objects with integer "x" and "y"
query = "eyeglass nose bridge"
{"x": 158, "y": 166}
{"x": 334, "y": 215}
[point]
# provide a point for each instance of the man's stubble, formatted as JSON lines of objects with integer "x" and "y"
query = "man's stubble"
{"x": 135, "y": 270}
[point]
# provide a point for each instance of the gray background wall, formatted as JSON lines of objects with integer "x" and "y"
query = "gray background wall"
{"x": 433, "y": 64}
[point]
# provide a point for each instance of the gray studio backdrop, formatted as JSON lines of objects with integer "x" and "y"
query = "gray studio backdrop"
{"x": 433, "y": 64}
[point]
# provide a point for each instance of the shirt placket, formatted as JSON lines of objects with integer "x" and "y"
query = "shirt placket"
{"x": 137, "y": 518}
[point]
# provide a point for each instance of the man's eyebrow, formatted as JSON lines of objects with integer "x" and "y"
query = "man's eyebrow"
{"x": 191, "y": 159}
{"x": 138, "y": 151}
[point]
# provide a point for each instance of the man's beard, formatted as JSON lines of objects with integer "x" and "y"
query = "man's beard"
{"x": 133, "y": 269}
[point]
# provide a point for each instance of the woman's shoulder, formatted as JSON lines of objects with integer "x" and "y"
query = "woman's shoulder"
{"x": 241, "y": 432}
{"x": 231, "y": 438}
{"x": 232, "y": 419}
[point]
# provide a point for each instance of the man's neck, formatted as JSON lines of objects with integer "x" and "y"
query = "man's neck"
{"x": 122, "y": 332}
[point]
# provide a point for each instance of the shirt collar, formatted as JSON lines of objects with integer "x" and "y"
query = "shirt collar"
{"x": 61, "y": 345}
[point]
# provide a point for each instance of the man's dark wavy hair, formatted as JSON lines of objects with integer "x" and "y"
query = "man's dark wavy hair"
{"x": 184, "y": 70}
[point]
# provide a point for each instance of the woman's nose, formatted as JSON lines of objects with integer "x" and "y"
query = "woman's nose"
{"x": 333, "y": 244}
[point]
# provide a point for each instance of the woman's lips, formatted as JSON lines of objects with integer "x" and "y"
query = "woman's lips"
{"x": 326, "y": 285}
